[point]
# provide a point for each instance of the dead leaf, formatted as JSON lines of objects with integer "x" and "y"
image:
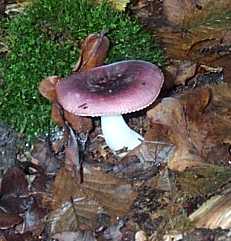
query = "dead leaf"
{"x": 214, "y": 213}
{"x": 143, "y": 162}
{"x": 34, "y": 217}
{"x": 113, "y": 232}
{"x": 197, "y": 122}
{"x": 42, "y": 156}
{"x": 72, "y": 158}
{"x": 113, "y": 194}
{"x": 193, "y": 30}
{"x": 78, "y": 123}
{"x": 93, "y": 52}
{"x": 71, "y": 215}
{"x": 184, "y": 72}
{"x": 47, "y": 87}
{"x": 9, "y": 220}
{"x": 119, "y": 5}
{"x": 75, "y": 236}
{"x": 14, "y": 182}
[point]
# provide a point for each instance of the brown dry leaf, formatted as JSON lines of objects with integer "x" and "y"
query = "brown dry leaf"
{"x": 196, "y": 30}
{"x": 47, "y": 87}
{"x": 73, "y": 215}
{"x": 113, "y": 194}
{"x": 197, "y": 122}
{"x": 42, "y": 156}
{"x": 179, "y": 72}
{"x": 204, "y": 23}
{"x": 142, "y": 162}
{"x": 78, "y": 123}
{"x": 93, "y": 52}
{"x": 185, "y": 71}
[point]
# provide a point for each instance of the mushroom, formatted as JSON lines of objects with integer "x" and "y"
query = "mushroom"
{"x": 109, "y": 91}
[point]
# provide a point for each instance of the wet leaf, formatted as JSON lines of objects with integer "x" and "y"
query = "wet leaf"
{"x": 197, "y": 122}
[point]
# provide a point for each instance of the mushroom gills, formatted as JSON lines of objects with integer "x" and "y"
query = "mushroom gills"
{"x": 118, "y": 134}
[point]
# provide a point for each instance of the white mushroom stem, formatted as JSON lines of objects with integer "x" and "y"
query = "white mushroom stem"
{"x": 118, "y": 134}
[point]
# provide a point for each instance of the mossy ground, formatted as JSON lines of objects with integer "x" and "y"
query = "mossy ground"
{"x": 44, "y": 40}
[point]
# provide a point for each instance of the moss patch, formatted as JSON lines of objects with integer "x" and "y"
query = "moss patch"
{"x": 45, "y": 39}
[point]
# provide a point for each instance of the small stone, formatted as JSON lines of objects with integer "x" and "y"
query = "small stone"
{"x": 140, "y": 236}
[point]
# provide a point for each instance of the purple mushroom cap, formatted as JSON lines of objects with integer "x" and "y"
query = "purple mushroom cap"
{"x": 113, "y": 89}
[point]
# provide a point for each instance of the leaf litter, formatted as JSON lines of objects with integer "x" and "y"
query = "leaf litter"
{"x": 184, "y": 159}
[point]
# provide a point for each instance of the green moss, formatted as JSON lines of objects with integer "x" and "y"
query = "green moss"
{"x": 44, "y": 40}
{"x": 202, "y": 180}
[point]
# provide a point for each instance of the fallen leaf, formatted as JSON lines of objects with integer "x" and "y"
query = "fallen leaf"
{"x": 197, "y": 122}
{"x": 93, "y": 52}
{"x": 114, "y": 195}
{"x": 43, "y": 156}
{"x": 143, "y": 162}
{"x": 184, "y": 72}
{"x": 119, "y": 5}
{"x": 113, "y": 232}
{"x": 27, "y": 236}
{"x": 141, "y": 236}
{"x": 193, "y": 30}
{"x": 71, "y": 215}
{"x": 34, "y": 217}
{"x": 214, "y": 213}
{"x": 75, "y": 236}
{"x": 9, "y": 220}
{"x": 72, "y": 157}
{"x": 47, "y": 87}
{"x": 13, "y": 204}
{"x": 14, "y": 182}
{"x": 78, "y": 123}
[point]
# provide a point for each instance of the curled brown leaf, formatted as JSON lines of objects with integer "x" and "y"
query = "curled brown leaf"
{"x": 47, "y": 87}
{"x": 93, "y": 52}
